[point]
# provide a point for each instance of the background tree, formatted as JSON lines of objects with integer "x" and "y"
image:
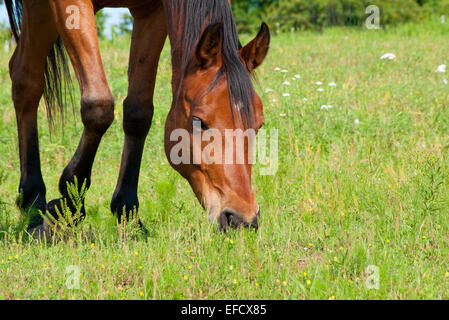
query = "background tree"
{"x": 288, "y": 15}
{"x": 126, "y": 24}
{"x": 101, "y": 19}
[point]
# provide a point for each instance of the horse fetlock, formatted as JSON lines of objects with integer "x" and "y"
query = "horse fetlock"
{"x": 122, "y": 203}
{"x": 66, "y": 209}
{"x": 71, "y": 176}
{"x": 32, "y": 201}
{"x": 32, "y": 193}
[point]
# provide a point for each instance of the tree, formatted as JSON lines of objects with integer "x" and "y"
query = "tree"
{"x": 126, "y": 24}
{"x": 100, "y": 19}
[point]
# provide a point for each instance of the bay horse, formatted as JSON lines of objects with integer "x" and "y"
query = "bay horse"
{"x": 211, "y": 83}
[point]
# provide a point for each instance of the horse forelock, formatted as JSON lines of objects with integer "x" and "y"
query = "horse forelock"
{"x": 193, "y": 16}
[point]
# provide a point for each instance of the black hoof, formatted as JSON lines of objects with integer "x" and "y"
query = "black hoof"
{"x": 32, "y": 206}
{"x": 41, "y": 232}
{"x": 63, "y": 208}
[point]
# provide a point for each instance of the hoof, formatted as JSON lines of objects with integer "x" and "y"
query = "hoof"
{"x": 32, "y": 209}
{"x": 42, "y": 231}
{"x": 34, "y": 218}
{"x": 55, "y": 209}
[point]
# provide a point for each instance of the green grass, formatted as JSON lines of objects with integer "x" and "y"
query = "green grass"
{"x": 364, "y": 183}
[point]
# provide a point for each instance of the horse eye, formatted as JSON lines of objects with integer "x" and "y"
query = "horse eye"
{"x": 203, "y": 125}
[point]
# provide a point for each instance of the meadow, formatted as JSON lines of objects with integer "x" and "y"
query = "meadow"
{"x": 362, "y": 181}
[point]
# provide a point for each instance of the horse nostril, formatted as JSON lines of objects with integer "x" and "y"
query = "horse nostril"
{"x": 233, "y": 219}
{"x": 230, "y": 219}
{"x": 223, "y": 222}
{"x": 255, "y": 224}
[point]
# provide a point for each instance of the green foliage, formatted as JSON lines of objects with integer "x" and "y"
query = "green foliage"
{"x": 288, "y": 15}
{"x": 66, "y": 223}
{"x": 247, "y": 15}
{"x": 440, "y": 7}
{"x": 5, "y": 32}
{"x": 126, "y": 25}
{"x": 100, "y": 19}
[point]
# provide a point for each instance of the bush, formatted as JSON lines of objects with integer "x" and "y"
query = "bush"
{"x": 436, "y": 7}
{"x": 247, "y": 15}
{"x": 287, "y": 15}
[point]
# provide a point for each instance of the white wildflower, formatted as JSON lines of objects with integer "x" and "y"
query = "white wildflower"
{"x": 441, "y": 68}
{"x": 389, "y": 56}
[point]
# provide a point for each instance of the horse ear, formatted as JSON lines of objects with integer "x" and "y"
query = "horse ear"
{"x": 208, "y": 51}
{"x": 255, "y": 52}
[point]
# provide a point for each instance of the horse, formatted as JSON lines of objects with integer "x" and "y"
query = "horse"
{"x": 211, "y": 85}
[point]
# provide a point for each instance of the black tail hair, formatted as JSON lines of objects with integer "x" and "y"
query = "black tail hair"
{"x": 58, "y": 81}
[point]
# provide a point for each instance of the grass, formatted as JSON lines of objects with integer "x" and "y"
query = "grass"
{"x": 363, "y": 183}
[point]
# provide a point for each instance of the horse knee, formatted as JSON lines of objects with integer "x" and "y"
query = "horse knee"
{"x": 97, "y": 112}
{"x": 27, "y": 88}
{"x": 137, "y": 116}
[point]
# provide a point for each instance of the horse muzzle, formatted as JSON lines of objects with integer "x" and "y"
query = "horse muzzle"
{"x": 230, "y": 219}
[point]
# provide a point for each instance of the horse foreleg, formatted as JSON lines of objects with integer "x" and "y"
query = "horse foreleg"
{"x": 148, "y": 39}
{"x": 97, "y": 101}
{"x": 27, "y": 68}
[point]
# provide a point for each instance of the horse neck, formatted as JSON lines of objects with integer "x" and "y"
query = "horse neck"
{"x": 175, "y": 30}
{"x": 182, "y": 41}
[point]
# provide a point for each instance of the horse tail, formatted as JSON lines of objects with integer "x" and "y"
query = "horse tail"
{"x": 58, "y": 81}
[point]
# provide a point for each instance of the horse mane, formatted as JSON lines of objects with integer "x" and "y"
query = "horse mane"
{"x": 193, "y": 15}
